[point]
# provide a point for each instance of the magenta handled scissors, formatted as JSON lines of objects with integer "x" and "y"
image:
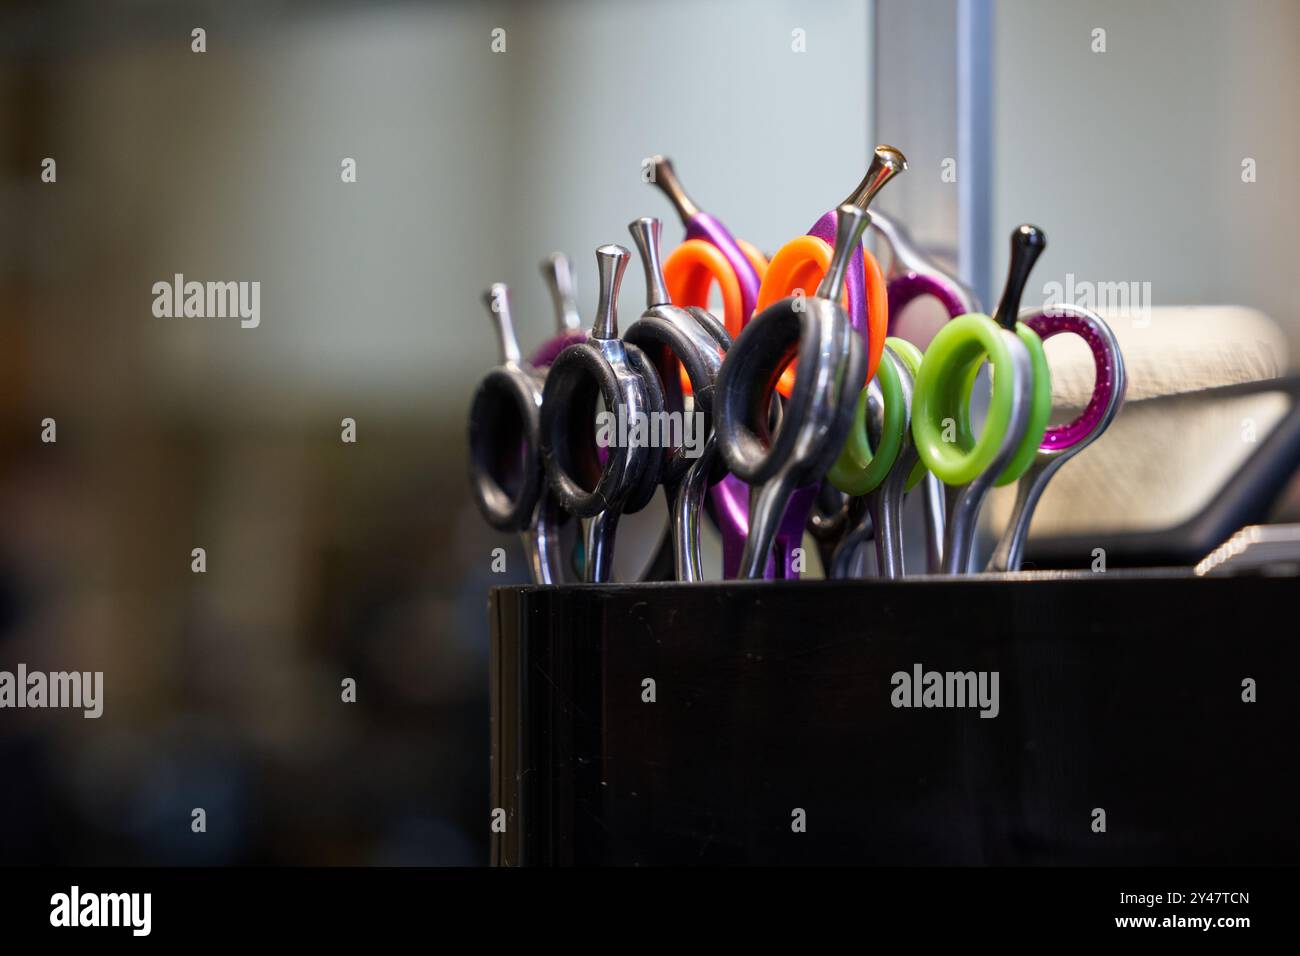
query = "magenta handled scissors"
{"x": 700, "y": 225}
{"x": 886, "y": 163}
{"x": 729, "y": 497}
{"x": 1063, "y": 442}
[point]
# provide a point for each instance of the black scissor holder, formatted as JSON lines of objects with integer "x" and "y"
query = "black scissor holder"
{"x": 1119, "y": 691}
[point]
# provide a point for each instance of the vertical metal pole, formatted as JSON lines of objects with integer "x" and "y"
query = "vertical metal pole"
{"x": 974, "y": 145}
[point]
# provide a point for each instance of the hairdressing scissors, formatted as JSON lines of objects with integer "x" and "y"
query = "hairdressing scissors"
{"x": 506, "y": 471}
{"x": 1019, "y": 403}
{"x": 815, "y": 418}
{"x": 1063, "y": 442}
{"x": 558, "y": 275}
{"x": 595, "y": 483}
{"x": 711, "y": 256}
{"x": 694, "y": 341}
{"x": 884, "y": 474}
{"x": 800, "y": 265}
{"x": 867, "y": 296}
{"x": 912, "y": 275}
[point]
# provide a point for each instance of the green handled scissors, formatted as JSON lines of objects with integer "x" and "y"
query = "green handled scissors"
{"x": 1020, "y": 403}
{"x": 883, "y": 473}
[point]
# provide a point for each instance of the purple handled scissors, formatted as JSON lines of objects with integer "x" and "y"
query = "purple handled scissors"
{"x": 1063, "y": 442}
{"x": 559, "y": 281}
{"x": 700, "y": 225}
{"x": 730, "y": 496}
{"x": 886, "y": 163}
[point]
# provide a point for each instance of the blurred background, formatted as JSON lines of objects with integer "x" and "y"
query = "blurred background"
{"x": 329, "y": 560}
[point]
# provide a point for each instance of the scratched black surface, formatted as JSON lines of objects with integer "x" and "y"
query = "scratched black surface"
{"x": 1120, "y": 691}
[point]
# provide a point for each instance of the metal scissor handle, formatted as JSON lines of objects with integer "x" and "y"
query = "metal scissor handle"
{"x": 592, "y": 482}
{"x": 692, "y": 339}
{"x": 818, "y": 412}
{"x": 506, "y": 471}
{"x": 1063, "y": 442}
{"x": 558, "y": 275}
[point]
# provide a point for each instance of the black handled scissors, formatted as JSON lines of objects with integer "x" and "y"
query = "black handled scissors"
{"x": 506, "y": 470}
{"x": 694, "y": 341}
{"x": 593, "y": 482}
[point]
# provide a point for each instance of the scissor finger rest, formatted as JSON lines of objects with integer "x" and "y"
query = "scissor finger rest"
{"x": 601, "y": 368}
{"x": 818, "y": 411}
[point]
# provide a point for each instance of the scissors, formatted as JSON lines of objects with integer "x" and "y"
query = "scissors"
{"x": 693, "y": 268}
{"x": 711, "y": 256}
{"x": 883, "y": 476}
{"x": 506, "y": 472}
{"x": 868, "y": 300}
{"x": 816, "y": 416}
{"x": 799, "y": 265}
{"x": 558, "y": 275}
{"x": 913, "y": 275}
{"x": 595, "y": 483}
{"x": 694, "y": 341}
{"x": 1063, "y": 442}
{"x": 1019, "y": 403}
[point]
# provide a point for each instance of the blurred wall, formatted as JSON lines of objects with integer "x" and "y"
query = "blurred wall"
{"x": 325, "y": 560}
{"x": 1131, "y": 159}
